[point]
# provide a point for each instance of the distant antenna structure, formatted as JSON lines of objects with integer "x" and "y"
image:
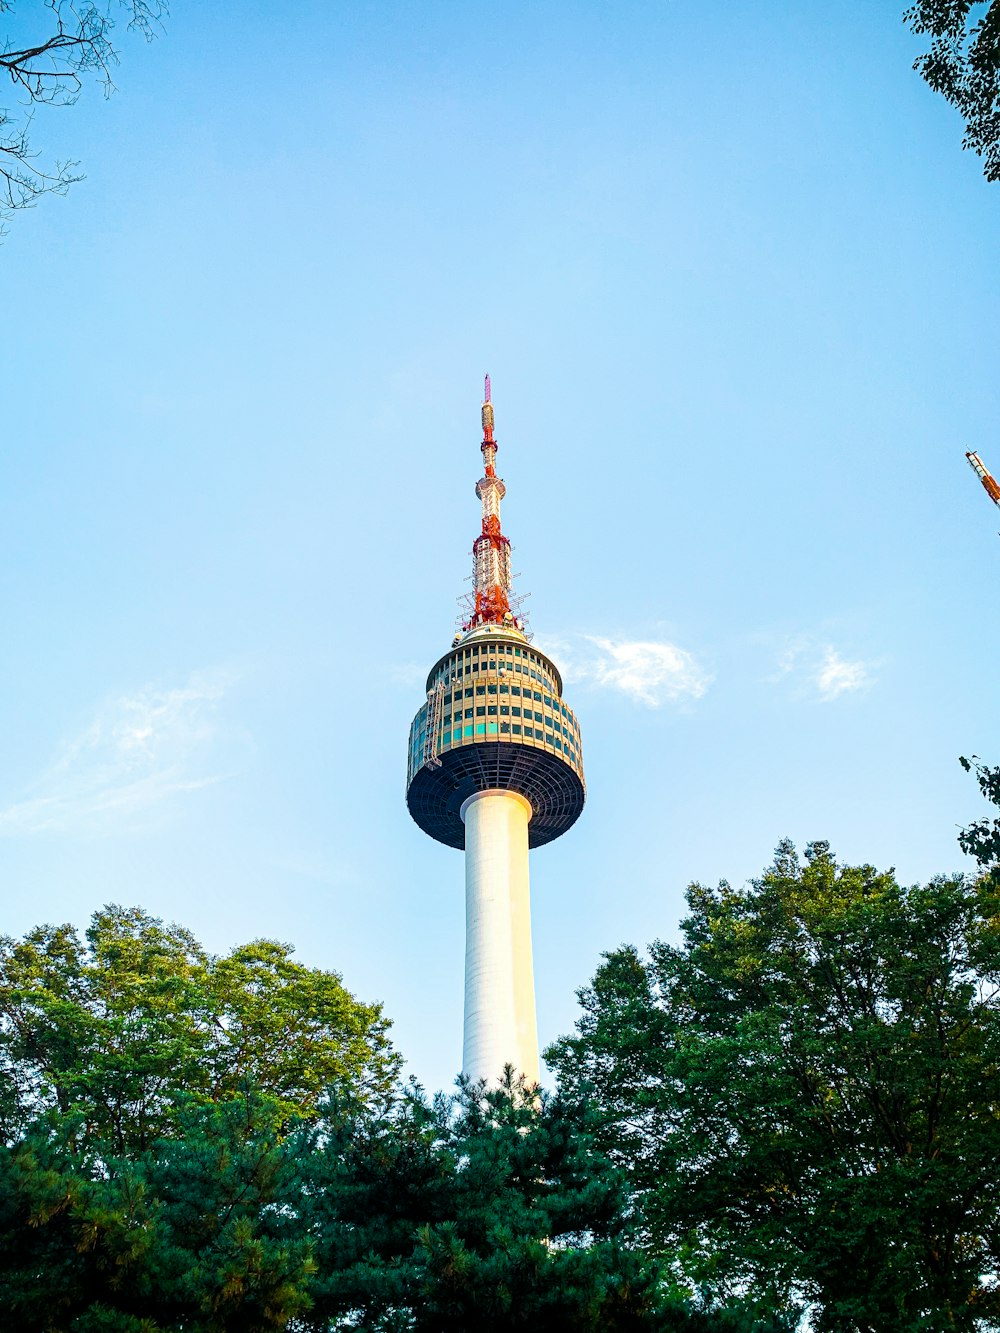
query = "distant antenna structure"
{"x": 990, "y": 484}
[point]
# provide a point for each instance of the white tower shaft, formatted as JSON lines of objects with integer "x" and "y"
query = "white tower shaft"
{"x": 500, "y": 1026}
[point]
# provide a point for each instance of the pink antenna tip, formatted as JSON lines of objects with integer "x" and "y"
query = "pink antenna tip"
{"x": 487, "y": 399}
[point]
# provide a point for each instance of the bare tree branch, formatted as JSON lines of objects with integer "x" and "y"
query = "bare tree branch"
{"x": 51, "y": 70}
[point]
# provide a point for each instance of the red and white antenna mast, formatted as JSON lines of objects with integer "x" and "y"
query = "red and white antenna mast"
{"x": 990, "y": 484}
{"x": 491, "y": 549}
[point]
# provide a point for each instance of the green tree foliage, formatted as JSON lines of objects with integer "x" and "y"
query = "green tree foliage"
{"x": 963, "y": 64}
{"x": 115, "y": 1027}
{"x": 47, "y": 56}
{"x": 491, "y": 1212}
{"x": 189, "y": 1234}
{"x": 806, "y": 1093}
{"x": 982, "y": 838}
{"x": 494, "y": 1212}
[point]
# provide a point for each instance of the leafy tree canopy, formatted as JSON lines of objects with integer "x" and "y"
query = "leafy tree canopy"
{"x": 190, "y": 1233}
{"x": 450, "y": 1215}
{"x": 490, "y": 1211}
{"x": 805, "y": 1091}
{"x": 982, "y": 838}
{"x": 963, "y": 64}
{"x": 114, "y": 1027}
{"x": 493, "y": 1212}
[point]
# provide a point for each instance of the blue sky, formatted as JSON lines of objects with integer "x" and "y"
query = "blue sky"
{"x": 737, "y": 288}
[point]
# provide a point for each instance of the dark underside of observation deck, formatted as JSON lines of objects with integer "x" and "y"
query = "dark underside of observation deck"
{"x": 552, "y": 787}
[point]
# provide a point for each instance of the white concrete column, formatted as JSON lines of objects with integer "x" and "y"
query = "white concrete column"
{"x": 500, "y": 1023}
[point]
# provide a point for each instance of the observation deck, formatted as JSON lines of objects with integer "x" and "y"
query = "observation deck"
{"x": 494, "y": 719}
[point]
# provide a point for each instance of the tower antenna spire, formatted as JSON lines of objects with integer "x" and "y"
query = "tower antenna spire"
{"x": 990, "y": 485}
{"x": 491, "y": 549}
{"x": 487, "y": 416}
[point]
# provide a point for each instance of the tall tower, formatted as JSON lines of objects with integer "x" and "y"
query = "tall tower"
{"x": 495, "y": 768}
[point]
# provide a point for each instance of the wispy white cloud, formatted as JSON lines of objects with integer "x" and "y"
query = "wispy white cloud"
{"x": 821, "y": 668}
{"x": 836, "y": 675}
{"x": 137, "y": 752}
{"x": 651, "y": 672}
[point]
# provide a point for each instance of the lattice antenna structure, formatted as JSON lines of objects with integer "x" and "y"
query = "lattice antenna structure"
{"x": 492, "y": 601}
{"x": 990, "y": 484}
